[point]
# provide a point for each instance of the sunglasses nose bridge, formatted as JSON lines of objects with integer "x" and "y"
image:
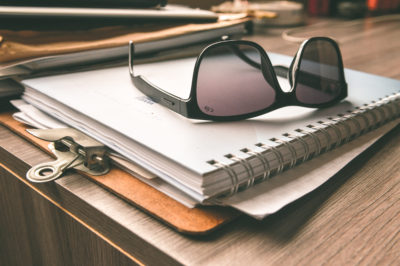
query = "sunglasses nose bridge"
{"x": 269, "y": 74}
{"x": 287, "y": 98}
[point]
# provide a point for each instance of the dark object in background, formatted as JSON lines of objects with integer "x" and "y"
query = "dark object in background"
{"x": 87, "y": 3}
{"x": 5, "y": 104}
{"x": 383, "y": 6}
{"x": 319, "y": 7}
{"x": 352, "y": 9}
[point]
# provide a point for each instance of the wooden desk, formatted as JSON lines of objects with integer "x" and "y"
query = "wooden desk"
{"x": 354, "y": 218}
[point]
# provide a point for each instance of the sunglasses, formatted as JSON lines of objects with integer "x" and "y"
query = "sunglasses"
{"x": 235, "y": 79}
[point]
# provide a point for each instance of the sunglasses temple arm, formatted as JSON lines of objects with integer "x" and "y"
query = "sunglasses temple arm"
{"x": 251, "y": 62}
{"x": 245, "y": 58}
{"x": 158, "y": 95}
{"x": 316, "y": 81}
{"x": 131, "y": 53}
{"x": 281, "y": 71}
{"x": 306, "y": 78}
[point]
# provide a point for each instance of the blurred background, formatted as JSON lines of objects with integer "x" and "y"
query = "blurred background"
{"x": 343, "y": 8}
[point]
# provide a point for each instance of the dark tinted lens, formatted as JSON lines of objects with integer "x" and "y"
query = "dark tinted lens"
{"x": 318, "y": 79}
{"x": 230, "y": 81}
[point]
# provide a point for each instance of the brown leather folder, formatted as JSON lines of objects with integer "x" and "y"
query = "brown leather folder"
{"x": 25, "y": 42}
{"x": 199, "y": 220}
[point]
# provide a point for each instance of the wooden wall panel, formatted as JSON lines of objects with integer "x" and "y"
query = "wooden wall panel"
{"x": 33, "y": 231}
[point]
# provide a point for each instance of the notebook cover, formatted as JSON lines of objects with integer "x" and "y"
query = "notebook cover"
{"x": 199, "y": 220}
{"x": 179, "y": 150}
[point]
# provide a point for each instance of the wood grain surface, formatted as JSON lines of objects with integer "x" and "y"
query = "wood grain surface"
{"x": 352, "y": 219}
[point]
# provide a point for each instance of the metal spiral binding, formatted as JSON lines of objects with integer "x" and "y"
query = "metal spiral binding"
{"x": 292, "y": 151}
{"x": 355, "y": 122}
{"x": 232, "y": 175}
{"x": 346, "y": 126}
{"x": 314, "y": 137}
{"x": 396, "y": 102}
{"x": 331, "y": 124}
{"x": 303, "y": 142}
{"x": 264, "y": 162}
{"x": 326, "y": 133}
{"x": 366, "y": 109}
{"x": 360, "y": 113}
{"x": 390, "y": 111}
{"x": 277, "y": 154}
{"x": 383, "y": 114}
{"x": 246, "y": 165}
{"x": 393, "y": 113}
{"x": 391, "y": 103}
{"x": 389, "y": 106}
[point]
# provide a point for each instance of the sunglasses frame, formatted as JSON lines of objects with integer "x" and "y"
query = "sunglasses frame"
{"x": 189, "y": 107}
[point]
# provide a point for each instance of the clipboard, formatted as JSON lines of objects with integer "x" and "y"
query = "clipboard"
{"x": 195, "y": 221}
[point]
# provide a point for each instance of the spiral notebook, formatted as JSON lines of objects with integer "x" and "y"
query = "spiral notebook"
{"x": 205, "y": 161}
